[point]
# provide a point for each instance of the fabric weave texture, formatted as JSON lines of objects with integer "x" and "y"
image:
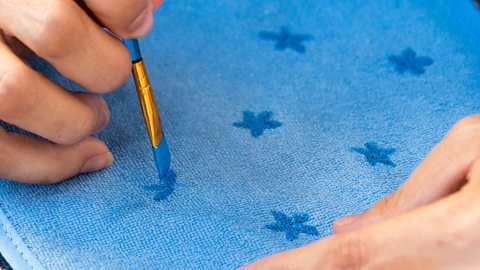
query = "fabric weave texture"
{"x": 321, "y": 68}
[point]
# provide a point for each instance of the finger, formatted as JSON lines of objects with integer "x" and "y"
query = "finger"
{"x": 438, "y": 236}
{"x": 31, "y": 160}
{"x": 157, "y": 3}
{"x": 442, "y": 172}
{"x": 63, "y": 34}
{"x": 31, "y": 101}
{"x": 126, "y": 18}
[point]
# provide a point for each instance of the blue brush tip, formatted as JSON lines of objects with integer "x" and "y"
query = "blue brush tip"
{"x": 162, "y": 158}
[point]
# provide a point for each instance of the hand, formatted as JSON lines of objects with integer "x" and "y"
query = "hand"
{"x": 67, "y": 34}
{"x": 431, "y": 222}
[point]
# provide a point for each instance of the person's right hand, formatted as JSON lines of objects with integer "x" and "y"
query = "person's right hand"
{"x": 69, "y": 35}
{"x": 430, "y": 222}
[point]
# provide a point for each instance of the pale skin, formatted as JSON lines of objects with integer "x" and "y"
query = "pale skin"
{"x": 431, "y": 222}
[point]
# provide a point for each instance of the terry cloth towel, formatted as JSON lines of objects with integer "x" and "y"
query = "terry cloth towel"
{"x": 281, "y": 116}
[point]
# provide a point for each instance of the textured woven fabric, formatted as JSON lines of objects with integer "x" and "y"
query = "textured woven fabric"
{"x": 281, "y": 116}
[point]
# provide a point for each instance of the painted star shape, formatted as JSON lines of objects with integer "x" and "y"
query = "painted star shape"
{"x": 286, "y": 40}
{"x": 257, "y": 124}
{"x": 165, "y": 188}
{"x": 409, "y": 61}
{"x": 375, "y": 154}
{"x": 292, "y": 226}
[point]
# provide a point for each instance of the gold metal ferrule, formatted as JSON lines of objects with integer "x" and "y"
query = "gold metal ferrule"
{"x": 147, "y": 102}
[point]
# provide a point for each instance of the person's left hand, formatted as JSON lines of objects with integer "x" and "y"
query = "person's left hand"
{"x": 431, "y": 222}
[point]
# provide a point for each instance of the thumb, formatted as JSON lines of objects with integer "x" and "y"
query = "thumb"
{"x": 437, "y": 176}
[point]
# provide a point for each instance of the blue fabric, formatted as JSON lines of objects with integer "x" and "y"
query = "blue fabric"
{"x": 322, "y": 68}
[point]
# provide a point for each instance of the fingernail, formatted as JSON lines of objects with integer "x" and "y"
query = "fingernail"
{"x": 103, "y": 117}
{"x": 97, "y": 162}
{"x": 141, "y": 25}
{"x": 346, "y": 220}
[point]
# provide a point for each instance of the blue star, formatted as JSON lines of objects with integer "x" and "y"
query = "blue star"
{"x": 375, "y": 154}
{"x": 285, "y": 40}
{"x": 165, "y": 188}
{"x": 257, "y": 124}
{"x": 292, "y": 226}
{"x": 409, "y": 61}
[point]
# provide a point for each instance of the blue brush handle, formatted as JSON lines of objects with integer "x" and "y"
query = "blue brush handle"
{"x": 161, "y": 151}
{"x": 134, "y": 47}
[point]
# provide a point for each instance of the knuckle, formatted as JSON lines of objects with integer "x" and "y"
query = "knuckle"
{"x": 55, "y": 24}
{"x": 350, "y": 253}
{"x": 12, "y": 95}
